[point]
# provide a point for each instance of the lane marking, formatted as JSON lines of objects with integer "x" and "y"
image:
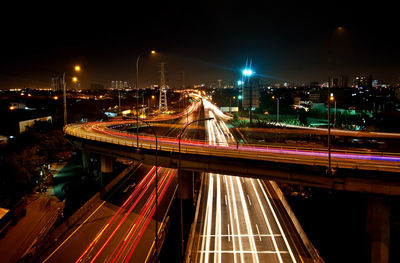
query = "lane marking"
{"x": 248, "y": 197}
{"x": 74, "y": 232}
{"x": 276, "y": 219}
{"x": 258, "y": 231}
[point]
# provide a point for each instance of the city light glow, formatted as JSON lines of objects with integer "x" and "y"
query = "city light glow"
{"x": 247, "y": 72}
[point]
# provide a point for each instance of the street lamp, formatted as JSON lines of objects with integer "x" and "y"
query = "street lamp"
{"x": 137, "y": 93}
{"x": 336, "y": 30}
{"x": 156, "y": 164}
{"x": 77, "y": 68}
{"x": 332, "y": 98}
{"x": 247, "y": 73}
{"x": 180, "y": 179}
{"x": 277, "y": 108}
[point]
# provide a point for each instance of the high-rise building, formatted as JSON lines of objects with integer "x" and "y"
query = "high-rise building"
{"x": 119, "y": 84}
{"x": 362, "y": 82}
{"x": 57, "y": 83}
{"x": 340, "y": 81}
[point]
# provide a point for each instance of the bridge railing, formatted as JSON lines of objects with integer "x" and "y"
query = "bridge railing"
{"x": 231, "y": 146}
{"x": 302, "y": 155}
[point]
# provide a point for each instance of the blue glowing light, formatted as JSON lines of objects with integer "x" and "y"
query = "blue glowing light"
{"x": 239, "y": 82}
{"x": 247, "y": 72}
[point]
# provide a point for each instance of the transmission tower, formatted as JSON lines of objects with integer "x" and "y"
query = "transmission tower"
{"x": 163, "y": 107}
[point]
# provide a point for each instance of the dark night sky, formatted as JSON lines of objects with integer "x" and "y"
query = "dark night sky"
{"x": 206, "y": 41}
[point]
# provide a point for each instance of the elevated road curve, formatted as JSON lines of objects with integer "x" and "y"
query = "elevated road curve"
{"x": 375, "y": 161}
{"x": 375, "y": 172}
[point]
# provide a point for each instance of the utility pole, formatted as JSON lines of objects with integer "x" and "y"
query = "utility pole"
{"x": 65, "y": 99}
{"x": 163, "y": 106}
{"x": 277, "y": 110}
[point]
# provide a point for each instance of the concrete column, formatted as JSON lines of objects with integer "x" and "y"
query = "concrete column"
{"x": 85, "y": 161}
{"x": 187, "y": 185}
{"x": 106, "y": 164}
{"x": 378, "y": 228}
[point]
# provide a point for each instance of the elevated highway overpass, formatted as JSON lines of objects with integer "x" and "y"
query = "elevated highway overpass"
{"x": 375, "y": 173}
{"x": 370, "y": 172}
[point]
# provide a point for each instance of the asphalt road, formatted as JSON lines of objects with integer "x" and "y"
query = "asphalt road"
{"x": 238, "y": 220}
{"x": 122, "y": 227}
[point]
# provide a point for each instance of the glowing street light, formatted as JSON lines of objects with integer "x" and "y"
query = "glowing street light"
{"x": 153, "y": 52}
{"x": 277, "y": 108}
{"x": 247, "y": 72}
{"x": 77, "y": 68}
{"x": 240, "y": 83}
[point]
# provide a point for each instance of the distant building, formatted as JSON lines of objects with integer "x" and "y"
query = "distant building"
{"x": 96, "y": 86}
{"x": 119, "y": 84}
{"x": 340, "y": 81}
{"x": 315, "y": 97}
{"x": 56, "y": 83}
{"x": 362, "y": 82}
{"x": 251, "y": 94}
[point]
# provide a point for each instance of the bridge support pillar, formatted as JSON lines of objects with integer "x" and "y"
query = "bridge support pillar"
{"x": 85, "y": 160}
{"x": 378, "y": 228}
{"x": 106, "y": 164}
{"x": 187, "y": 185}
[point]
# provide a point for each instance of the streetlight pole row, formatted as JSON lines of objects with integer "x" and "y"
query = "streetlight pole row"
{"x": 137, "y": 94}
{"x": 180, "y": 181}
{"x": 77, "y": 68}
{"x": 156, "y": 164}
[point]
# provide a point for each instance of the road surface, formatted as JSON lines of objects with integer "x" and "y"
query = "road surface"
{"x": 237, "y": 219}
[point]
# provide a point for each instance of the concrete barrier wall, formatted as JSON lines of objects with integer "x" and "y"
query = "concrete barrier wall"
{"x": 309, "y": 246}
{"x": 73, "y": 219}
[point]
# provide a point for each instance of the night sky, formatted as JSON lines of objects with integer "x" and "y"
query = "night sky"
{"x": 206, "y": 41}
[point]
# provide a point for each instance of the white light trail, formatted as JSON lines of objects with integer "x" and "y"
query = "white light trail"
{"x": 277, "y": 221}
{"x": 267, "y": 222}
{"x": 247, "y": 220}
{"x": 207, "y": 228}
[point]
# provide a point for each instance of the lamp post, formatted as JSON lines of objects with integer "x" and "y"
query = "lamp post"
{"x": 247, "y": 73}
{"x": 277, "y": 108}
{"x": 77, "y": 68}
{"x": 337, "y": 31}
{"x": 332, "y": 98}
{"x": 180, "y": 179}
{"x": 156, "y": 164}
{"x": 137, "y": 94}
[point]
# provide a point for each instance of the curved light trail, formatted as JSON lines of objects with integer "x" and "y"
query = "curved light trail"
{"x": 224, "y": 145}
